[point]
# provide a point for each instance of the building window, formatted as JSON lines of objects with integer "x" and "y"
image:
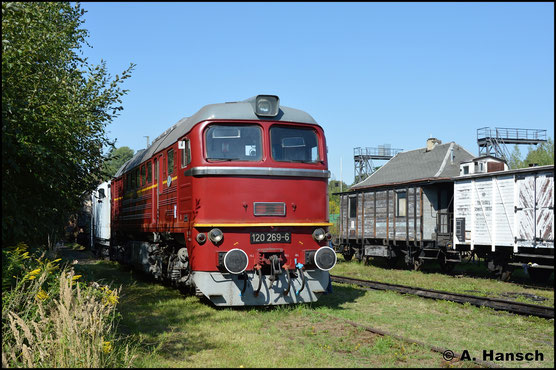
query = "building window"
{"x": 170, "y": 161}
{"x": 352, "y": 207}
{"x": 465, "y": 170}
{"x": 401, "y": 203}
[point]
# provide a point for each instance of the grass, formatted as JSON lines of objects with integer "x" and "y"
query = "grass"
{"x": 177, "y": 330}
{"x": 469, "y": 279}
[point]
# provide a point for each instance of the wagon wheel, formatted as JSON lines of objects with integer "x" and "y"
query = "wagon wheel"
{"x": 500, "y": 269}
{"x": 348, "y": 255}
{"x": 359, "y": 255}
{"x": 417, "y": 264}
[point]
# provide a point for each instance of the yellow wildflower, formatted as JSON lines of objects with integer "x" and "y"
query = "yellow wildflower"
{"x": 41, "y": 295}
{"x": 76, "y": 277}
{"x": 35, "y": 272}
{"x": 112, "y": 299}
{"x": 57, "y": 260}
{"x": 106, "y": 347}
{"x": 32, "y": 277}
{"x": 26, "y": 255}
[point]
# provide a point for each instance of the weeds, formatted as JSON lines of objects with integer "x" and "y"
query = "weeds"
{"x": 50, "y": 319}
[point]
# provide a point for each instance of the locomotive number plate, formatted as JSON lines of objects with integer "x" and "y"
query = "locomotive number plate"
{"x": 273, "y": 237}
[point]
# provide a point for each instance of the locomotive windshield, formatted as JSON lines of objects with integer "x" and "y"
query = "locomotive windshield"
{"x": 294, "y": 144}
{"x": 234, "y": 143}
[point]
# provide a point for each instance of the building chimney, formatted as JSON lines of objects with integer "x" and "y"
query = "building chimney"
{"x": 431, "y": 143}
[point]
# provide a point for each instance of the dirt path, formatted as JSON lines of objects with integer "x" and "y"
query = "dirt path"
{"x": 71, "y": 253}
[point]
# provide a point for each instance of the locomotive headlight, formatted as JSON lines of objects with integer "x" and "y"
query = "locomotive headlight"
{"x": 201, "y": 238}
{"x": 267, "y": 105}
{"x": 319, "y": 234}
{"x": 216, "y": 235}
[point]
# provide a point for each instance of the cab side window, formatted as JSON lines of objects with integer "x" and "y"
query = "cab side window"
{"x": 149, "y": 172}
{"x": 170, "y": 161}
{"x": 143, "y": 176}
{"x": 186, "y": 153}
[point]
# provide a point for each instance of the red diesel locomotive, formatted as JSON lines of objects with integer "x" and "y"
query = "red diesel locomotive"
{"x": 232, "y": 202}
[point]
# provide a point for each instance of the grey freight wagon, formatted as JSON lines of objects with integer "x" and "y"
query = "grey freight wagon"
{"x": 403, "y": 210}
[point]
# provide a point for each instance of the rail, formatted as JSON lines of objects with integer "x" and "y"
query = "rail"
{"x": 497, "y": 304}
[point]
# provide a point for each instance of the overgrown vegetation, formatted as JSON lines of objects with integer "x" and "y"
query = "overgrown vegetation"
{"x": 51, "y": 319}
{"x": 55, "y": 107}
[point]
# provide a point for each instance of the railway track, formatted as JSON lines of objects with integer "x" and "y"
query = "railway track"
{"x": 497, "y": 304}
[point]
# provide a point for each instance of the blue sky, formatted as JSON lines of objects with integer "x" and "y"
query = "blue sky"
{"x": 369, "y": 73}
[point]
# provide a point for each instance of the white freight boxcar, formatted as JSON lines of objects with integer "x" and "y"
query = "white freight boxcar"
{"x": 508, "y": 214}
{"x": 505, "y": 208}
{"x": 100, "y": 212}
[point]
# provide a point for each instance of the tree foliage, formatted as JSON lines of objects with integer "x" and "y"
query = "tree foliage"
{"x": 541, "y": 155}
{"x": 335, "y": 186}
{"x": 55, "y": 107}
{"x": 116, "y": 159}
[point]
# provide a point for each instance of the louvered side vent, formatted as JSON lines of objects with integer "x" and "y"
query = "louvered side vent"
{"x": 269, "y": 208}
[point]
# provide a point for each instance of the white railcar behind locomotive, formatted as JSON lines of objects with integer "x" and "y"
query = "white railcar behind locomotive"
{"x": 508, "y": 218}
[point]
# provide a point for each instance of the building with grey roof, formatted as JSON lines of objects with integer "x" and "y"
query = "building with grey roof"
{"x": 436, "y": 161}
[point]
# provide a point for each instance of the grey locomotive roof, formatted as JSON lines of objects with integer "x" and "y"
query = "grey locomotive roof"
{"x": 419, "y": 164}
{"x": 242, "y": 110}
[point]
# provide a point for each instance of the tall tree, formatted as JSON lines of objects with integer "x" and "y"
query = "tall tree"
{"x": 116, "y": 159}
{"x": 55, "y": 107}
{"x": 515, "y": 158}
{"x": 542, "y": 154}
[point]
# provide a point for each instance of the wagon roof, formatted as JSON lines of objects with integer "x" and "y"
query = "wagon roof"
{"x": 419, "y": 165}
{"x": 242, "y": 110}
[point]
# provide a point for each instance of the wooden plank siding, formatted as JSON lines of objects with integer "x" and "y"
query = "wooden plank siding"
{"x": 376, "y": 216}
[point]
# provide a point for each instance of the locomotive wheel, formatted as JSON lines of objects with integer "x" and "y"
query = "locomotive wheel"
{"x": 539, "y": 275}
